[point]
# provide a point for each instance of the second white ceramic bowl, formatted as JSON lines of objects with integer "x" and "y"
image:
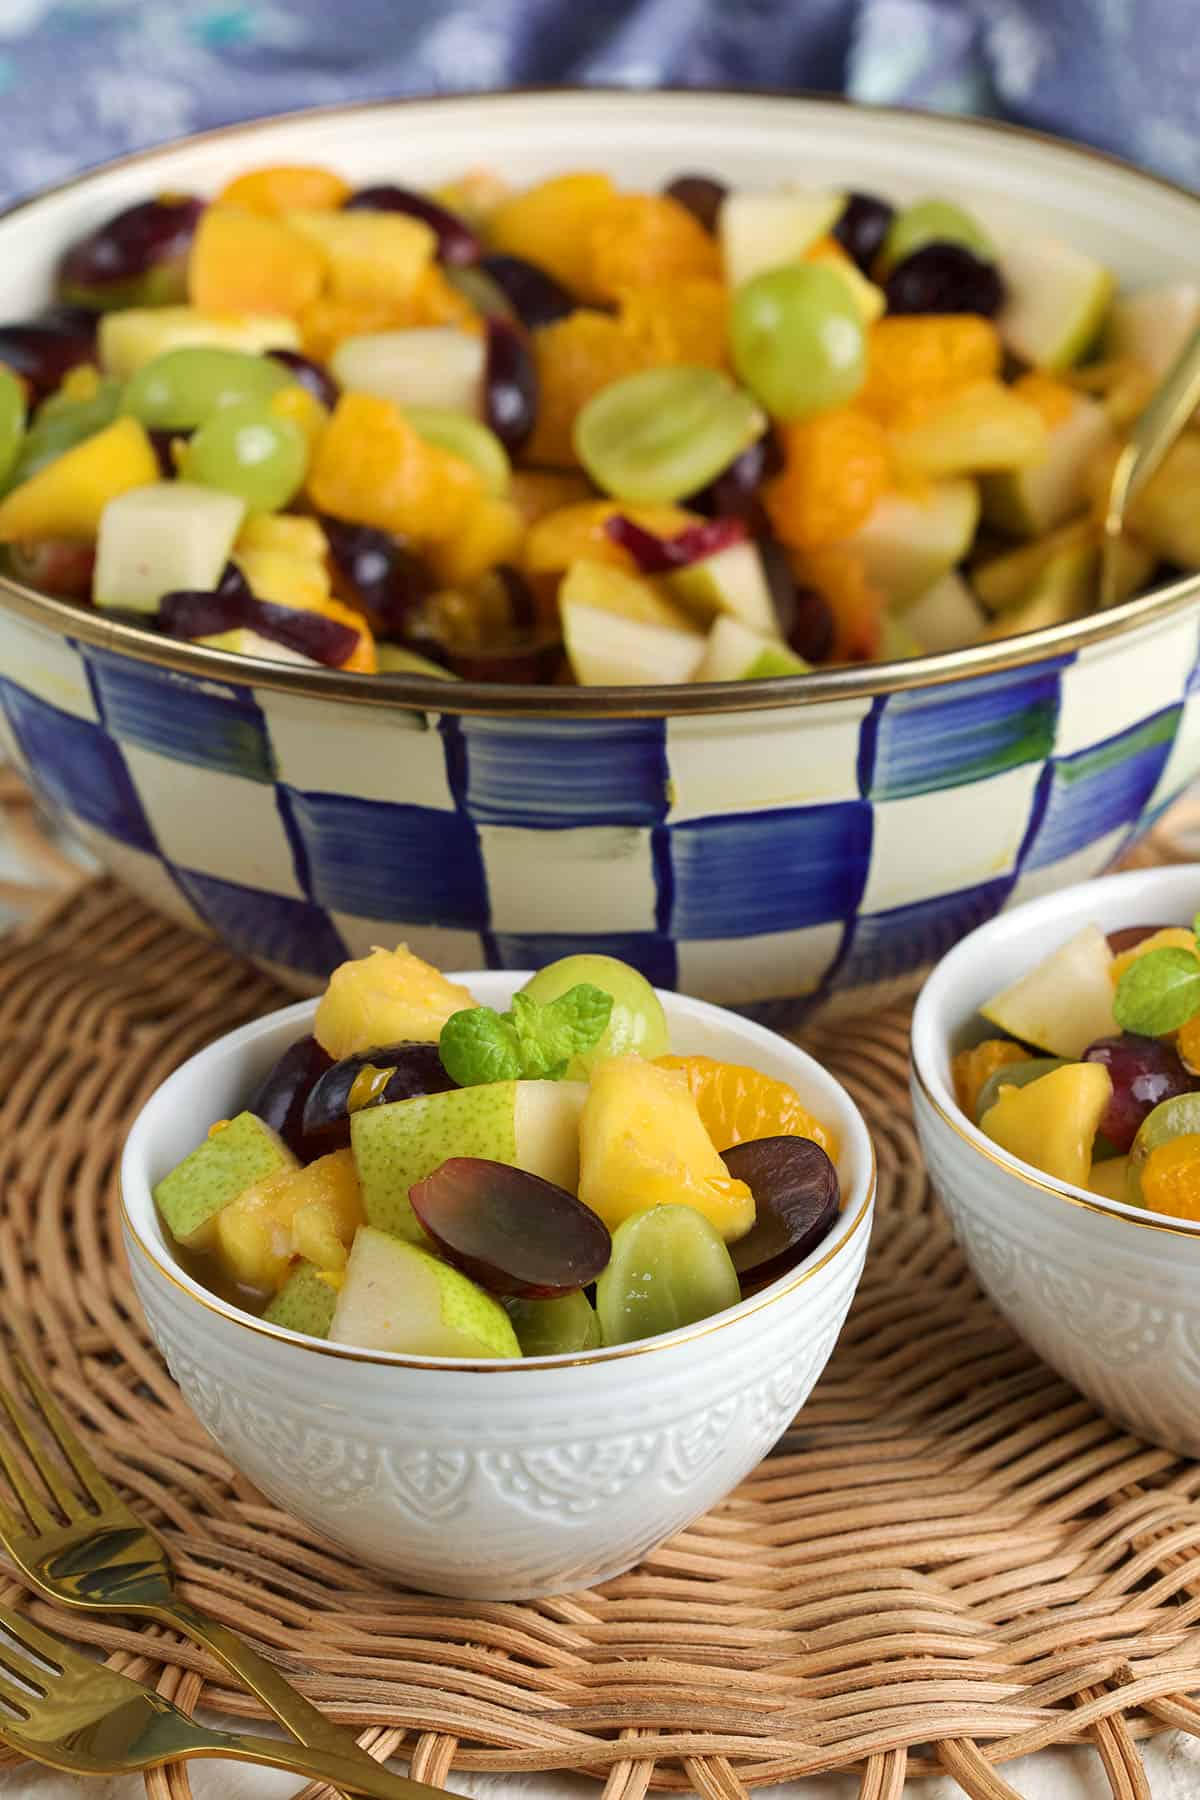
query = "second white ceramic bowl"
{"x": 1108, "y": 1294}
{"x": 495, "y": 1480}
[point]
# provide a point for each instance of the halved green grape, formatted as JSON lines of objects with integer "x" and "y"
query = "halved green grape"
{"x": 665, "y": 432}
{"x": 467, "y": 438}
{"x": 250, "y": 451}
{"x": 555, "y": 1327}
{"x": 182, "y": 388}
{"x": 797, "y": 340}
{"x": 59, "y": 425}
{"x": 931, "y": 222}
{"x": 12, "y": 420}
{"x": 669, "y": 1267}
{"x": 637, "y": 1022}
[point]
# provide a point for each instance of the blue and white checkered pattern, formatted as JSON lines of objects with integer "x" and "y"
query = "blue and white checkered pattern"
{"x": 768, "y": 860}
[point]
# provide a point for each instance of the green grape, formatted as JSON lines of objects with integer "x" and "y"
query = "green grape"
{"x": 797, "y": 339}
{"x": 248, "y": 450}
{"x": 932, "y": 222}
{"x": 182, "y": 388}
{"x": 467, "y": 438}
{"x": 555, "y": 1327}
{"x": 637, "y": 1022}
{"x": 669, "y": 1267}
{"x": 665, "y": 432}
{"x": 60, "y": 424}
{"x": 12, "y": 420}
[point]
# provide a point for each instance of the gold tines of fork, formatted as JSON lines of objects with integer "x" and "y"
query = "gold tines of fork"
{"x": 77, "y": 1542}
{"x": 61, "y": 1708}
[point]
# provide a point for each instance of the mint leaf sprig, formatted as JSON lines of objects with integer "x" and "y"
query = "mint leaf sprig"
{"x": 527, "y": 1043}
{"x": 1159, "y": 992}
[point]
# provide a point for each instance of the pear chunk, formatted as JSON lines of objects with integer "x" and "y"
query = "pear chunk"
{"x": 396, "y": 1297}
{"x": 1065, "y": 1002}
{"x": 233, "y": 1157}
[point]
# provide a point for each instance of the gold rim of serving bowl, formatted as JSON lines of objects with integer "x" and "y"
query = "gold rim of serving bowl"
{"x": 427, "y": 693}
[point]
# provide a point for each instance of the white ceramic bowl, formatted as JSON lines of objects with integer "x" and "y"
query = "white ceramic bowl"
{"x": 495, "y": 1480}
{"x": 1108, "y": 1294}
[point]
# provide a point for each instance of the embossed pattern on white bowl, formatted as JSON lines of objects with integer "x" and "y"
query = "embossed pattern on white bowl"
{"x": 1108, "y": 1294}
{"x": 495, "y": 1481}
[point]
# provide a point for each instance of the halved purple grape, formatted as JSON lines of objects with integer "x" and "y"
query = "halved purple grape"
{"x": 535, "y": 297}
{"x": 43, "y": 353}
{"x": 654, "y": 554}
{"x": 862, "y": 228}
{"x": 510, "y": 384}
{"x": 734, "y": 493}
{"x": 1143, "y": 1072}
{"x": 234, "y": 583}
{"x": 59, "y": 566}
{"x": 136, "y": 258}
{"x": 369, "y": 1078}
{"x": 280, "y": 1099}
{"x": 457, "y": 243}
{"x": 701, "y": 194}
{"x": 511, "y": 1232}
{"x": 796, "y": 1199}
{"x": 1130, "y": 936}
{"x": 944, "y": 278}
{"x": 309, "y": 375}
{"x": 191, "y": 615}
{"x": 78, "y": 319}
{"x": 382, "y": 575}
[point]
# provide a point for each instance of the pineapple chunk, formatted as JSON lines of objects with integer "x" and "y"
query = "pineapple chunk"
{"x": 642, "y": 1143}
{"x": 977, "y": 428}
{"x": 369, "y": 256}
{"x": 1052, "y": 1123}
{"x": 137, "y": 334}
{"x": 285, "y": 577}
{"x": 283, "y": 531}
{"x": 312, "y": 1212}
{"x": 66, "y": 498}
{"x": 385, "y": 998}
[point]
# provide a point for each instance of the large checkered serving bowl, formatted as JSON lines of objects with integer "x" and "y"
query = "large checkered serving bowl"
{"x": 778, "y": 845}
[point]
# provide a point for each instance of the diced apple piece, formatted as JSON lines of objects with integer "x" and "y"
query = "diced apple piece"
{"x": 1058, "y": 299}
{"x": 1165, "y": 514}
{"x": 735, "y": 653}
{"x": 761, "y": 230}
{"x": 136, "y": 335}
{"x": 732, "y": 581}
{"x": 911, "y": 539}
{"x": 1065, "y": 1002}
{"x": 434, "y": 365}
{"x": 397, "y": 1297}
{"x": 600, "y": 585}
{"x": 306, "y": 1302}
{"x": 1153, "y": 325}
{"x": 394, "y": 659}
{"x": 1063, "y": 590}
{"x": 387, "y": 997}
{"x": 1008, "y": 580}
{"x": 159, "y": 539}
{"x": 608, "y": 650}
{"x": 241, "y": 641}
{"x": 1037, "y": 498}
{"x": 1052, "y": 1123}
{"x": 233, "y": 1157}
{"x": 531, "y": 1125}
{"x": 977, "y": 428}
{"x": 947, "y": 616}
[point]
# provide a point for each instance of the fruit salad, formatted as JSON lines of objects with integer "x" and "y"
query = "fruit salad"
{"x": 576, "y": 433}
{"x": 1096, "y": 1078}
{"x": 426, "y": 1175}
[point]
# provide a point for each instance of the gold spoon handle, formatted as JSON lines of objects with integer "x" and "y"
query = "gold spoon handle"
{"x": 1153, "y": 433}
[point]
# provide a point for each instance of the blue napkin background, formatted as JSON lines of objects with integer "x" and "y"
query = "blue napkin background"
{"x": 82, "y": 80}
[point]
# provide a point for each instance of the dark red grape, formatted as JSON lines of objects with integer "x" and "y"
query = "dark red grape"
{"x": 457, "y": 243}
{"x": 701, "y": 195}
{"x": 310, "y": 375}
{"x": 862, "y": 228}
{"x": 42, "y": 354}
{"x": 510, "y": 1231}
{"x": 944, "y": 278}
{"x": 401, "y": 1072}
{"x": 380, "y": 574}
{"x": 283, "y": 1091}
{"x": 510, "y": 383}
{"x": 654, "y": 554}
{"x": 525, "y": 664}
{"x": 136, "y": 258}
{"x": 1131, "y": 935}
{"x": 234, "y": 583}
{"x": 811, "y": 629}
{"x": 78, "y": 319}
{"x": 796, "y": 1199}
{"x": 59, "y": 566}
{"x": 193, "y": 615}
{"x": 535, "y": 297}
{"x": 1143, "y": 1071}
{"x": 734, "y": 493}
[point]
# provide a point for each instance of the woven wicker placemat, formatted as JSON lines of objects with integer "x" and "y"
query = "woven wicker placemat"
{"x": 950, "y": 1561}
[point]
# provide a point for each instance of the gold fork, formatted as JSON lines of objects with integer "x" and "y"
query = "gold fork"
{"x": 61, "y": 1708}
{"x": 98, "y": 1555}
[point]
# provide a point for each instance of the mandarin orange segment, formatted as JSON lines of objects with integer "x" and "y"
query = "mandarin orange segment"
{"x": 575, "y": 358}
{"x": 536, "y": 492}
{"x": 326, "y": 321}
{"x": 972, "y": 1068}
{"x": 836, "y": 467}
{"x": 1187, "y": 1042}
{"x": 639, "y": 239}
{"x": 1171, "y": 1177}
{"x": 244, "y": 262}
{"x": 551, "y": 225}
{"x": 490, "y": 534}
{"x": 1052, "y": 399}
{"x": 684, "y": 320}
{"x": 739, "y": 1104}
{"x": 915, "y": 359}
{"x": 858, "y": 608}
{"x": 283, "y": 186}
{"x": 372, "y": 468}
{"x": 565, "y": 536}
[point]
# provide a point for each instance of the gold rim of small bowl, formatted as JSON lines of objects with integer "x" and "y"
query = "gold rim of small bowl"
{"x": 865, "y": 681}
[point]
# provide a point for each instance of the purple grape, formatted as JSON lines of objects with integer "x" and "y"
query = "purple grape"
{"x": 1143, "y": 1071}
{"x": 796, "y": 1201}
{"x": 535, "y": 297}
{"x": 190, "y": 615}
{"x": 811, "y": 630}
{"x": 405, "y": 1071}
{"x": 654, "y": 554}
{"x": 510, "y": 384}
{"x": 43, "y": 353}
{"x": 701, "y": 195}
{"x": 233, "y": 583}
{"x": 457, "y": 244}
{"x": 80, "y": 320}
{"x": 58, "y": 566}
{"x": 310, "y": 375}
{"x": 524, "y": 665}
{"x": 510, "y": 1231}
{"x": 284, "y": 1090}
{"x": 1130, "y": 936}
{"x": 383, "y": 576}
{"x": 734, "y": 493}
{"x": 136, "y": 258}
{"x": 862, "y": 228}
{"x": 944, "y": 278}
